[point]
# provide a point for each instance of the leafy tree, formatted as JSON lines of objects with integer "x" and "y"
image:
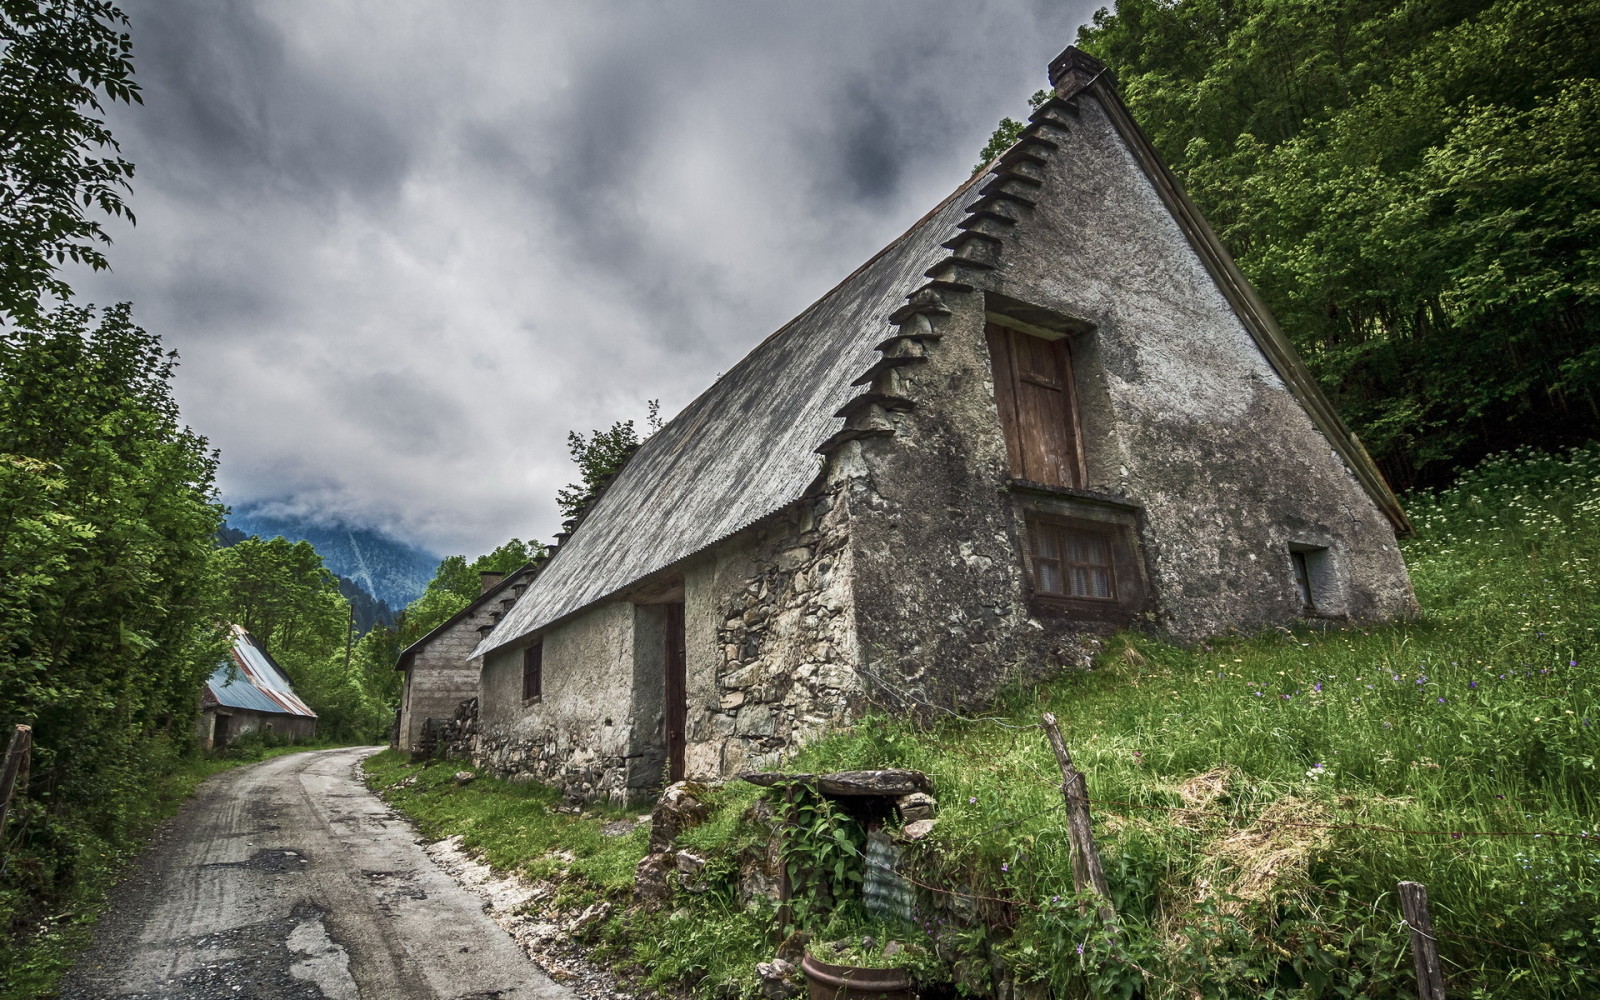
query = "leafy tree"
{"x": 107, "y": 619}
{"x": 599, "y": 457}
{"x": 1415, "y": 189}
{"x": 58, "y": 59}
{"x": 1007, "y": 133}
{"x": 457, "y": 584}
{"x": 280, "y": 592}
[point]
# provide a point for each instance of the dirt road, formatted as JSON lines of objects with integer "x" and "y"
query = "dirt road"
{"x": 289, "y": 879}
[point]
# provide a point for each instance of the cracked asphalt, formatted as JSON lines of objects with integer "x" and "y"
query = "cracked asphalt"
{"x": 289, "y": 880}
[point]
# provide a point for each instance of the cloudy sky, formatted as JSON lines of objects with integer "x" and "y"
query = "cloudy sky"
{"x": 403, "y": 248}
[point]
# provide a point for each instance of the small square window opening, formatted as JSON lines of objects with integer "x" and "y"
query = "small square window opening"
{"x": 1302, "y": 579}
{"x": 1072, "y": 562}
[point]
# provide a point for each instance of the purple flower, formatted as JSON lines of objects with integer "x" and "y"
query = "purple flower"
{"x": 1005, "y": 868}
{"x": 1317, "y": 687}
{"x": 1441, "y": 701}
{"x": 1080, "y": 947}
{"x": 972, "y": 801}
{"x": 1474, "y": 684}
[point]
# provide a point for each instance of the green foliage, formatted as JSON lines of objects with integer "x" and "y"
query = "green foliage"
{"x": 58, "y": 58}
{"x": 280, "y": 592}
{"x": 1414, "y": 188}
{"x": 1007, "y": 133}
{"x": 599, "y": 457}
{"x": 107, "y": 615}
{"x": 457, "y": 584}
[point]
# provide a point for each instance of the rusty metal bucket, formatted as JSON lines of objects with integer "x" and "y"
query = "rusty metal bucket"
{"x": 848, "y": 982}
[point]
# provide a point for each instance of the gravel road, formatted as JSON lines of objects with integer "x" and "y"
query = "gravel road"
{"x": 289, "y": 879}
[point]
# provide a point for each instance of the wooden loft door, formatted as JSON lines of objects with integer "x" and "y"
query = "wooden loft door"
{"x": 1033, "y": 389}
{"x": 675, "y": 712}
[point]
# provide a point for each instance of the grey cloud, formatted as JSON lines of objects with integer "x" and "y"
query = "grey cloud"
{"x": 403, "y": 249}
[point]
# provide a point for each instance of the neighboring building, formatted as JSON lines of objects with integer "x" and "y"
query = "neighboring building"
{"x": 1052, "y": 408}
{"x": 440, "y": 673}
{"x": 248, "y": 692}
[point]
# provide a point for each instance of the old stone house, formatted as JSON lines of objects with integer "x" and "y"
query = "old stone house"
{"x": 249, "y": 692}
{"x": 1051, "y": 408}
{"x": 439, "y": 670}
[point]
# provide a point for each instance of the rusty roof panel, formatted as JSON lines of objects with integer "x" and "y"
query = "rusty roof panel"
{"x": 251, "y": 680}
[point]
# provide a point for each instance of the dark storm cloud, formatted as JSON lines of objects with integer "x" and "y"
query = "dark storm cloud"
{"x": 235, "y": 102}
{"x": 404, "y": 249}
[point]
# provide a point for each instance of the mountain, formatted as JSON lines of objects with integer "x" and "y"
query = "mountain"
{"x": 393, "y": 572}
{"x": 368, "y": 610}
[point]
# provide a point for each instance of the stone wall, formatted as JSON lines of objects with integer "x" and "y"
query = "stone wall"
{"x": 771, "y": 626}
{"x": 441, "y": 674}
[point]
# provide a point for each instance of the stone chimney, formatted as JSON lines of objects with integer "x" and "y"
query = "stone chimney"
{"x": 488, "y": 581}
{"x": 1075, "y": 69}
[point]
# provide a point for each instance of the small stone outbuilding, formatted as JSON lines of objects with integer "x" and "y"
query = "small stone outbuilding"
{"x": 440, "y": 672}
{"x": 1052, "y": 408}
{"x": 249, "y": 692}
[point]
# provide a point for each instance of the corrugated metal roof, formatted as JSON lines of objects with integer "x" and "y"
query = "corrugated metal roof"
{"x": 250, "y": 680}
{"x": 744, "y": 449}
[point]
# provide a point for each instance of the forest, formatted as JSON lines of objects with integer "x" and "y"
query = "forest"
{"x": 1414, "y": 187}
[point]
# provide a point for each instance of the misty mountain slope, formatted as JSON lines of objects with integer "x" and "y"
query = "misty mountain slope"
{"x": 392, "y": 571}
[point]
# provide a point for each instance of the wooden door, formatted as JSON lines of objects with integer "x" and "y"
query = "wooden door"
{"x": 1038, "y": 408}
{"x": 675, "y": 711}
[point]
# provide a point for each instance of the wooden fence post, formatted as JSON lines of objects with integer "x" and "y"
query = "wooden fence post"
{"x": 18, "y": 755}
{"x": 1424, "y": 947}
{"x": 1087, "y": 872}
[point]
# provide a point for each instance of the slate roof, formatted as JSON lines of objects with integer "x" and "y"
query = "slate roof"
{"x": 748, "y": 446}
{"x": 251, "y": 680}
{"x": 745, "y": 448}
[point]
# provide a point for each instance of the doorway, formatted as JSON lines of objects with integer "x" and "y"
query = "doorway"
{"x": 674, "y": 688}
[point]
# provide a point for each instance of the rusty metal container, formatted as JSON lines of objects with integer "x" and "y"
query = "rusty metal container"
{"x": 848, "y": 982}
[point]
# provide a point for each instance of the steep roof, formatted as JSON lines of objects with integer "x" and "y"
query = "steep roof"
{"x": 747, "y": 447}
{"x": 741, "y": 451}
{"x": 251, "y": 680}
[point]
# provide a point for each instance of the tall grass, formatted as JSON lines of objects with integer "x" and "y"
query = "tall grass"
{"x": 1246, "y": 792}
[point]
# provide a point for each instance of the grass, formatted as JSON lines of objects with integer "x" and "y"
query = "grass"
{"x": 44, "y": 945}
{"x": 514, "y": 826}
{"x": 1237, "y": 784}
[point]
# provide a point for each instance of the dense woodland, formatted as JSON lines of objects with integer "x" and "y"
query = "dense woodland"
{"x": 1413, "y": 186}
{"x": 1415, "y": 189}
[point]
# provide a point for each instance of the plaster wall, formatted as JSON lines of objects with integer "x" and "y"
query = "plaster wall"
{"x": 1191, "y": 421}
{"x": 578, "y": 734}
{"x": 1189, "y": 437}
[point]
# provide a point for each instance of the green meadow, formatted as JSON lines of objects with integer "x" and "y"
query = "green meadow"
{"x": 1256, "y": 798}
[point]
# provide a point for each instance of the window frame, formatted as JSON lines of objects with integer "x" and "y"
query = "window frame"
{"x": 533, "y": 670}
{"x": 1119, "y": 530}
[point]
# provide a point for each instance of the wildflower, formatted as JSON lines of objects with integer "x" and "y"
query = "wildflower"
{"x": 1474, "y": 684}
{"x": 972, "y": 800}
{"x": 1005, "y": 868}
{"x": 1441, "y": 701}
{"x": 1080, "y": 947}
{"x": 1317, "y": 687}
